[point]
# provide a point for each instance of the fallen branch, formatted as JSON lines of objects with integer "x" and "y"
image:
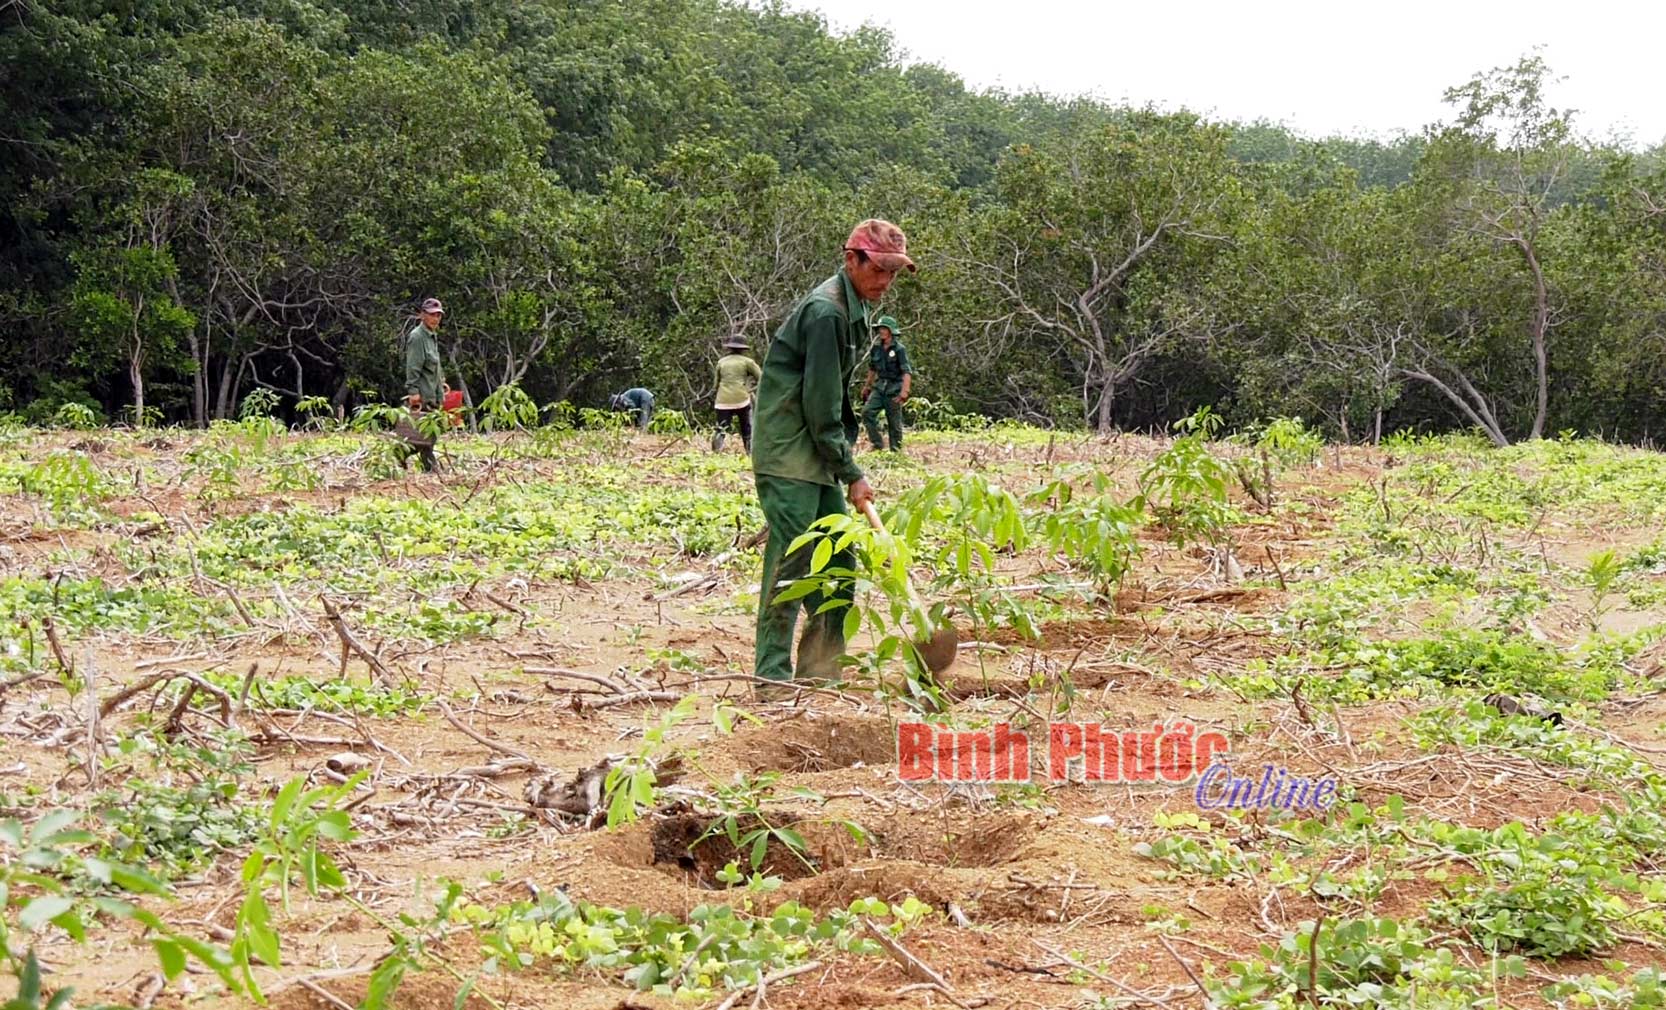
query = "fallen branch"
{"x": 912, "y": 966}
{"x": 351, "y": 645}
{"x": 1207, "y": 1002}
{"x": 555, "y": 671}
{"x": 767, "y": 980}
{"x": 581, "y": 705}
{"x": 196, "y": 684}
{"x": 113, "y": 702}
{"x": 934, "y": 987}
{"x": 475, "y": 735}
{"x": 51, "y": 629}
{"x": 1066, "y": 959}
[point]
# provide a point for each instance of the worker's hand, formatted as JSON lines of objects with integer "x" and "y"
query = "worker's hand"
{"x": 860, "y": 492}
{"x": 445, "y": 387}
{"x": 902, "y": 398}
{"x": 414, "y": 401}
{"x": 865, "y": 391}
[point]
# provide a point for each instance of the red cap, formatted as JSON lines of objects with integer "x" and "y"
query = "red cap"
{"x": 884, "y": 243}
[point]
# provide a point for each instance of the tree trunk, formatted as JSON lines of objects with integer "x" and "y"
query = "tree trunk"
{"x": 1474, "y": 411}
{"x": 136, "y": 374}
{"x": 1541, "y": 324}
{"x": 1107, "y": 398}
{"x": 339, "y": 400}
{"x": 199, "y": 382}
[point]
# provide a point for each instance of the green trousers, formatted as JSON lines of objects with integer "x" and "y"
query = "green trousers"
{"x": 887, "y": 402}
{"x": 790, "y": 506}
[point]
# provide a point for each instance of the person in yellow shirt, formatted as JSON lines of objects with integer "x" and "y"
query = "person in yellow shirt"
{"x": 737, "y": 377}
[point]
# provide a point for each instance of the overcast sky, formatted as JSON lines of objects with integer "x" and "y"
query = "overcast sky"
{"x": 1320, "y": 68}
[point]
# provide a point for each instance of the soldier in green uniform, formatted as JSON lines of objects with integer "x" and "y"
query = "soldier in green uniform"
{"x": 425, "y": 385}
{"x": 802, "y": 443}
{"x": 890, "y": 377}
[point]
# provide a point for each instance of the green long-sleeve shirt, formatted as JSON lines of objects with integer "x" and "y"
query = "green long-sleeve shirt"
{"x": 889, "y": 365}
{"x": 423, "y": 374}
{"x": 735, "y": 375}
{"x": 804, "y": 424}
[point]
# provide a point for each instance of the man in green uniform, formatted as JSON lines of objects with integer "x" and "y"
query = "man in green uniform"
{"x": 886, "y": 388}
{"x": 425, "y": 385}
{"x": 801, "y": 448}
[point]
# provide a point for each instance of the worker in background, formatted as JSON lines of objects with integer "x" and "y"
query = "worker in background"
{"x": 737, "y": 377}
{"x": 637, "y": 401}
{"x": 425, "y": 385}
{"x": 887, "y": 387}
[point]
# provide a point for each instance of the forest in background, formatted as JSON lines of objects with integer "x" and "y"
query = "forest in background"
{"x": 198, "y": 200}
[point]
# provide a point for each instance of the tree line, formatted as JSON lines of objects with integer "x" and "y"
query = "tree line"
{"x": 198, "y": 200}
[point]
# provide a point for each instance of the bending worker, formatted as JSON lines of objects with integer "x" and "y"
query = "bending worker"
{"x": 637, "y": 401}
{"x": 890, "y": 377}
{"x": 802, "y": 449}
{"x": 737, "y": 374}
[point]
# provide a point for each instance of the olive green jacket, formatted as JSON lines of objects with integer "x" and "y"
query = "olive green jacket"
{"x": 423, "y": 374}
{"x": 804, "y": 427}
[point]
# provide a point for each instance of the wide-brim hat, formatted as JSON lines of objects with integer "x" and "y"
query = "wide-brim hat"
{"x": 737, "y": 343}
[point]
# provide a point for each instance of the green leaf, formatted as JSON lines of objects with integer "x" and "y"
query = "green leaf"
{"x": 336, "y": 826}
{"x": 285, "y": 800}
{"x": 797, "y": 591}
{"x": 760, "y": 846}
{"x": 383, "y": 981}
{"x": 172, "y": 956}
{"x": 823, "y": 554}
{"x": 39, "y": 911}
{"x": 801, "y": 540}
{"x": 254, "y": 920}
{"x": 853, "y": 622}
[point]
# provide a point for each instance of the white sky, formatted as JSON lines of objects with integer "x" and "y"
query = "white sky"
{"x": 1320, "y": 68}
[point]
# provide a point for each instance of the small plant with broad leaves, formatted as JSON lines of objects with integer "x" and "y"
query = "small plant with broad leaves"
{"x": 1095, "y": 531}
{"x": 1601, "y": 575}
{"x": 38, "y": 864}
{"x": 289, "y": 850}
{"x": 1361, "y": 962}
{"x": 75, "y": 417}
{"x": 1185, "y": 487}
{"x": 670, "y": 422}
{"x": 747, "y": 822}
{"x": 631, "y": 785}
{"x": 874, "y": 593}
{"x": 941, "y": 415}
{"x": 319, "y": 412}
{"x": 260, "y": 402}
{"x": 68, "y": 482}
{"x": 508, "y": 408}
{"x": 964, "y": 522}
{"x": 374, "y": 417}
